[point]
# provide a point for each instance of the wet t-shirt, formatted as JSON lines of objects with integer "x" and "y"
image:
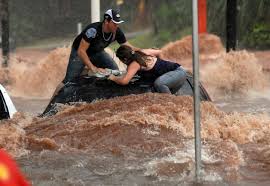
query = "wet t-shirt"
{"x": 98, "y": 40}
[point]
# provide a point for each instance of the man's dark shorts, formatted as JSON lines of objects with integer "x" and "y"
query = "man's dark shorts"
{"x": 76, "y": 66}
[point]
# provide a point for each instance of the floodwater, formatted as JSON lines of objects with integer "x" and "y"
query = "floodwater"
{"x": 144, "y": 139}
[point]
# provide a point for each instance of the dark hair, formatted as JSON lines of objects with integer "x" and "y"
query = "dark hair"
{"x": 127, "y": 55}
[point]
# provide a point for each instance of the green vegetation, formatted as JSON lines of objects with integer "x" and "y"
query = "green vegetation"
{"x": 150, "y": 40}
{"x": 252, "y": 15}
{"x": 172, "y": 20}
{"x": 146, "y": 40}
{"x": 259, "y": 37}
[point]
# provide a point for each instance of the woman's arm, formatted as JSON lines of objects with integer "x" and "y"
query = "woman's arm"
{"x": 131, "y": 71}
{"x": 148, "y": 51}
{"x": 152, "y": 52}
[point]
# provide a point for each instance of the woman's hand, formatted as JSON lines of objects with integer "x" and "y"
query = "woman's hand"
{"x": 98, "y": 70}
{"x": 101, "y": 70}
{"x": 152, "y": 52}
{"x": 111, "y": 77}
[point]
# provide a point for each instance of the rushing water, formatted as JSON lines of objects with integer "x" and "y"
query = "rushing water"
{"x": 144, "y": 139}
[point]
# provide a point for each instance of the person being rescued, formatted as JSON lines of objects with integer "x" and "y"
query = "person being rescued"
{"x": 168, "y": 75}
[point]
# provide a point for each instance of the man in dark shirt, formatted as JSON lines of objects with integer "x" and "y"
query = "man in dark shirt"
{"x": 88, "y": 47}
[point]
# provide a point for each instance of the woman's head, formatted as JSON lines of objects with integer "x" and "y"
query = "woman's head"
{"x": 124, "y": 53}
{"x": 127, "y": 55}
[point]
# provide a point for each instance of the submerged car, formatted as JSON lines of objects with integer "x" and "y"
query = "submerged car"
{"x": 91, "y": 88}
{"x": 7, "y": 108}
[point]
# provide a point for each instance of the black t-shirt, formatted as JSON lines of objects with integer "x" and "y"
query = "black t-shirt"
{"x": 161, "y": 67}
{"x": 98, "y": 40}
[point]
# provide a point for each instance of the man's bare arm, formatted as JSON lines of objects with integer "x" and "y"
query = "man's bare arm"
{"x": 84, "y": 57}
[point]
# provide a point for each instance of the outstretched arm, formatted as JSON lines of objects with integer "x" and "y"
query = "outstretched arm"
{"x": 152, "y": 52}
{"x": 131, "y": 71}
{"x": 149, "y": 51}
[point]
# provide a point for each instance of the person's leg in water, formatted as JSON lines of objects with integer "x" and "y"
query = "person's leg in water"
{"x": 170, "y": 80}
{"x": 103, "y": 60}
{"x": 74, "y": 69}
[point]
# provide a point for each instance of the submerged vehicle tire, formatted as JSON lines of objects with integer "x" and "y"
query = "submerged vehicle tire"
{"x": 89, "y": 89}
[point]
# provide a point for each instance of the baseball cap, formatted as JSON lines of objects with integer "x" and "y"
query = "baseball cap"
{"x": 114, "y": 15}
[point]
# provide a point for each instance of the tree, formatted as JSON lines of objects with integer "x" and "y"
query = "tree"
{"x": 5, "y": 31}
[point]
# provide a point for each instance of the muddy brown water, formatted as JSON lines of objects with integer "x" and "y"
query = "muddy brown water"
{"x": 144, "y": 140}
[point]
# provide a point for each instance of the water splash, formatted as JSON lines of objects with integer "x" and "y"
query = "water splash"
{"x": 35, "y": 79}
{"x": 234, "y": 73}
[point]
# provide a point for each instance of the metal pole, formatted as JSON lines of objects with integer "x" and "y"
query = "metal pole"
{"x": 95, "y": 11}
{"x": 196, "y": 98}
{"x": 79, "y": 28}
{"x": 231, "y": 25}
